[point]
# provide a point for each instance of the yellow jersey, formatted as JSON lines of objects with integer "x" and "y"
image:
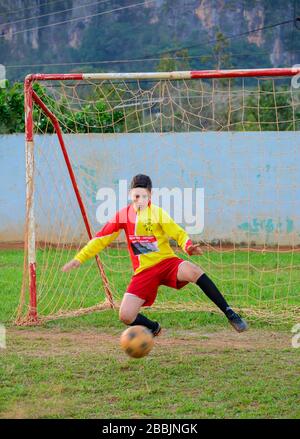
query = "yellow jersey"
{"x": 147, "y": 232}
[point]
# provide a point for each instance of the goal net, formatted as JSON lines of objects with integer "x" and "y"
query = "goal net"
{"x": 222, "y": 149}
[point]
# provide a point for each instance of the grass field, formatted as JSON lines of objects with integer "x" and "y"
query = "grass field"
{"x": 199, "y": 367}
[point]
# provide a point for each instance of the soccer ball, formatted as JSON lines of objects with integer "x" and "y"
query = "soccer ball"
{"x": 137, "y": 341}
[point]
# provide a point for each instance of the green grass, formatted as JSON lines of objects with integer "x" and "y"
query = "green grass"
{"x": 248, "y": 279}
{"x": 190, "y": 374}
{"x": 198, "y": 368}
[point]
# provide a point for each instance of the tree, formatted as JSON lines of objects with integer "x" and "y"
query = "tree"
{"x": 93, "y": 117}
{"x": 222, "y": 58}
{"x": 219, "y": 53}
{"x": 269, "y": 110}
{"x": 179, "y": 61}
{"x": 12, "y": 109}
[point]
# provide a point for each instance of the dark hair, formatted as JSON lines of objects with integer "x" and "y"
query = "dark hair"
{"x": 141, "y": 180}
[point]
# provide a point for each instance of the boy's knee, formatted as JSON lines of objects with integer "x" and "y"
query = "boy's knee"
{"x": 196, "y": 272}
{"x": 190, "y": 272}
{"x": 126, "y": 317}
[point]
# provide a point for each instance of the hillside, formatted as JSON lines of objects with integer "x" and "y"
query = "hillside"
{"x": 96, "y": 31}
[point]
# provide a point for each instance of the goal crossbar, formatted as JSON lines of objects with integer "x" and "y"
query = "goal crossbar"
{"x": 189, "y": 74}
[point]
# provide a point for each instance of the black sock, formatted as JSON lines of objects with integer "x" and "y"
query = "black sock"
{"x": 143, "y": 321}
{"x": 210, "y": 289}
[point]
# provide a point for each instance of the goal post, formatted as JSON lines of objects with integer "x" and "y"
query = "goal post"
{"x": 30, "y": 243}
{"x": 210, "y": 129}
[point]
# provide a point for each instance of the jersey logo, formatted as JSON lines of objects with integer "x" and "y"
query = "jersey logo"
{"x": 148, "y": 226}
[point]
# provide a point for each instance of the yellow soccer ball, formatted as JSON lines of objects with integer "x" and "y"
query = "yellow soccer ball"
{"x": 137, "y": 341}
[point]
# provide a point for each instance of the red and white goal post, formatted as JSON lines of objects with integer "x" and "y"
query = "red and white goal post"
{"x": 231, "y": 132}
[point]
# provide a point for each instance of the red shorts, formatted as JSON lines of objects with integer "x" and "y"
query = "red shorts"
{"x": 145, "y": 284}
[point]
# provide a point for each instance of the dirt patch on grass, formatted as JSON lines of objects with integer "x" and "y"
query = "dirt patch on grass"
{"x": 45, "y": 342}
{"x": 229, "y": 339}
{"x": 12, "y": 245}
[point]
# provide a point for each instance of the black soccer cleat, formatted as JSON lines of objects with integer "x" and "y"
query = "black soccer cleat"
{"x": 156, "y": 331}
{"x": 236, "y": 321}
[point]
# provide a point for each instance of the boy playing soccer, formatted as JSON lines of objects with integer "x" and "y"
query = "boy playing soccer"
{"x": 148, "y": 229}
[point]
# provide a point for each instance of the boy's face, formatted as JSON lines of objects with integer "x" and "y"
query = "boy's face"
{"x": 140, "y": 197}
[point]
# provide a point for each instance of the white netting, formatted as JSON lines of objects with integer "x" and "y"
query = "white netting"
{"x": 236, "y": 138}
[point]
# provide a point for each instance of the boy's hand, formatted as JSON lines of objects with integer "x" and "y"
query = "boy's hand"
{"x": 71, "y": 265}
{"x": 194, "y": 249}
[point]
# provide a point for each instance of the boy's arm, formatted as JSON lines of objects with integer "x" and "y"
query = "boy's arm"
{"x": 178, "y": 234}
{"x": 103, "y": 238}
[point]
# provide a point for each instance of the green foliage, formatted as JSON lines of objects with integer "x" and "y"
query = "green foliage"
{"x": 220, "y": 52}
{"x": 93, "y": 117}
{"x": 12, "y": 109}
{"x": 268, "y": 110}
{"x": 262, "y": 108}
{"x": 166, "y": 63}
{"x": 179, "y": 61}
